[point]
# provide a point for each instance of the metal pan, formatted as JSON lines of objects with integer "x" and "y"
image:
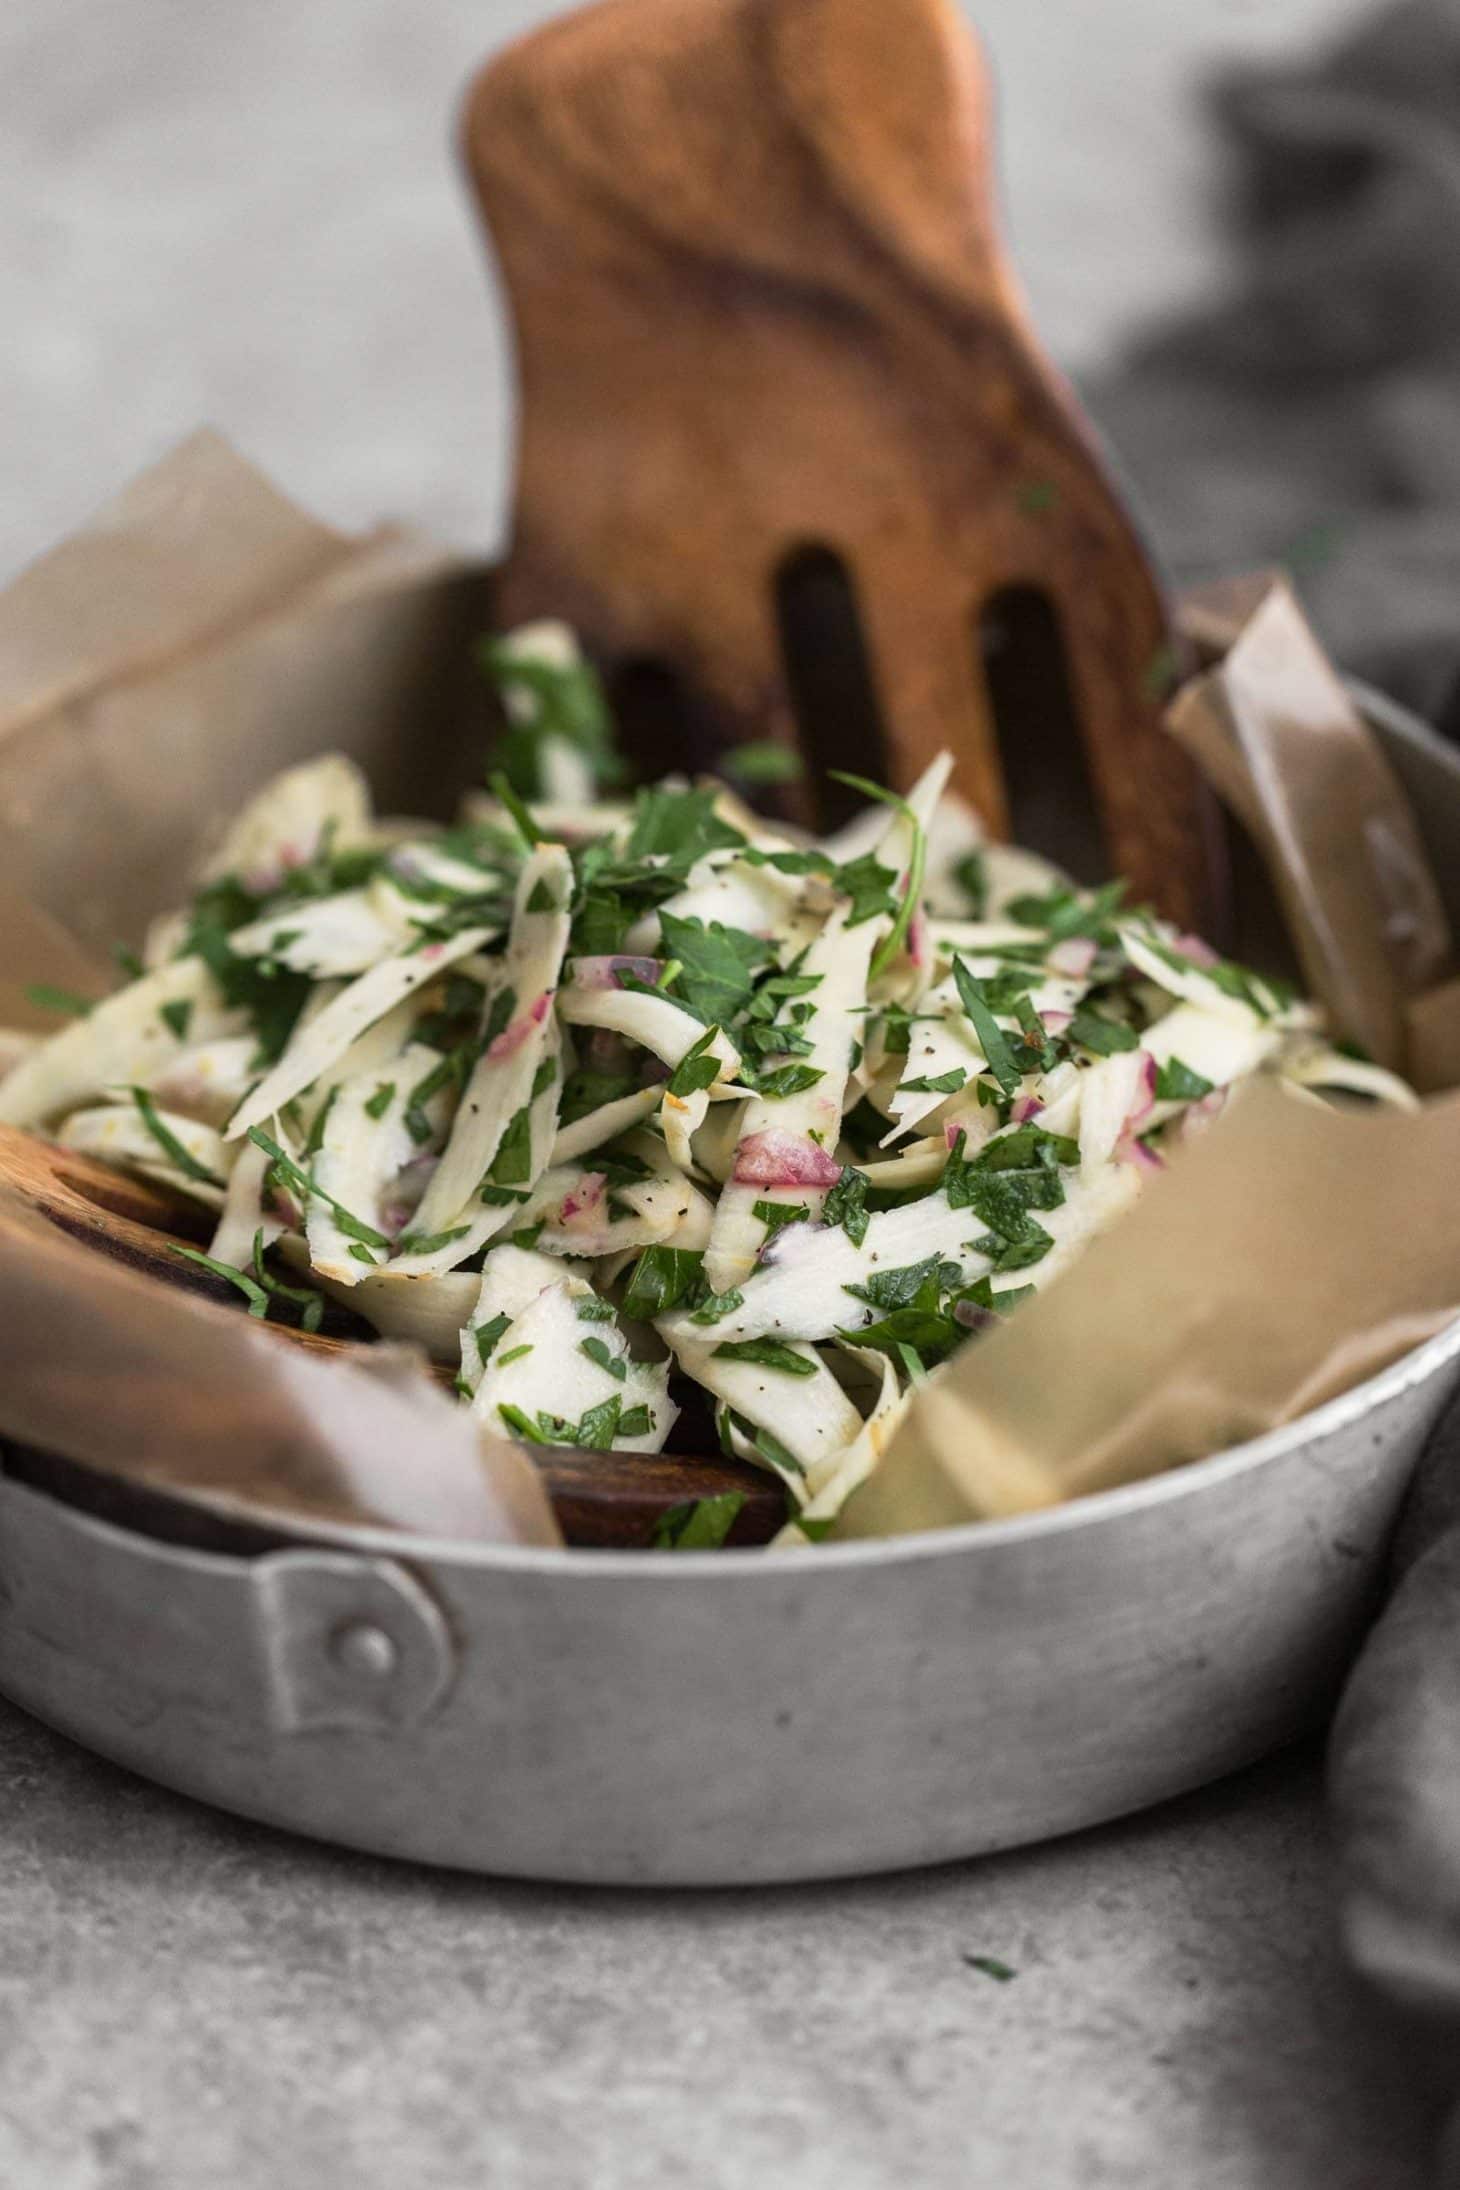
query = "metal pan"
{"x": 732, "y": 1717}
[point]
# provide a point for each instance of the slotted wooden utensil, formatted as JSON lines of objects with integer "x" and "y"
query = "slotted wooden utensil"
{"x": 790, "y": 457}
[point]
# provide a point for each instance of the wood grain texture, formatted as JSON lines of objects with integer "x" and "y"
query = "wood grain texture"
{"x": 760, "y": 304}
{"x": 601, "y": 1499}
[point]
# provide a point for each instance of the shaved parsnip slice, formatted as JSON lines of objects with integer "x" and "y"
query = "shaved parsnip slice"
{"x": 315, "y": 1047}
{"x": 503, "y": 1080}
{"x": 122, "y": 1041}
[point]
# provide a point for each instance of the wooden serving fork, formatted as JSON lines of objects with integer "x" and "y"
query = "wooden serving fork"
{"x": 790, "y": 457}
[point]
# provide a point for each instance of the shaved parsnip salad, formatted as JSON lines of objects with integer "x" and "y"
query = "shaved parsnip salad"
{"x": 596, "y": 1100}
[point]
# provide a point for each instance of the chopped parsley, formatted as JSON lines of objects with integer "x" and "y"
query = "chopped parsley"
{"x": 699, "y": 1524}
{"x": 766, "y": 1353}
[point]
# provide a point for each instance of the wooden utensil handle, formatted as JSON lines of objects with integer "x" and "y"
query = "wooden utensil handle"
{"x": 763, "y": 316}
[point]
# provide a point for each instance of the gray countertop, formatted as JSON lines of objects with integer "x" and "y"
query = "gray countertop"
{"x": 187, "y": 2000}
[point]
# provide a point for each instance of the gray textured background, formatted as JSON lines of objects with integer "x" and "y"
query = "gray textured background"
{"x": 247, "y": 214}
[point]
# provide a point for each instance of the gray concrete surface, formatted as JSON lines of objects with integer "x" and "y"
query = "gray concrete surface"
{"x": 246, "y": 215}
{"x": 186, "y": 2001}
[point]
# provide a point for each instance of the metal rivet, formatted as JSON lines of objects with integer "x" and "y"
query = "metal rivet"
{"x": 365, "y": 1651}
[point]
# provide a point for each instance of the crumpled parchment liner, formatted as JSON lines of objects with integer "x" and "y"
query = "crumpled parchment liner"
{"x": 1291, "y": 1253}
{"x": 198, "y": 634}
{"x": 1275, "y": 730}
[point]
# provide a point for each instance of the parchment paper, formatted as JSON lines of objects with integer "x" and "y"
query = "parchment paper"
{"x": 200, "y": 633}
{"x": 1292, "y": 1252}
{"x": 1276, "y": 732}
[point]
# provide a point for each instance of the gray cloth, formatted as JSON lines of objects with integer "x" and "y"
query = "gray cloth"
{"x": 1394, "y": 1776}
{"x": 1312, "y": 416}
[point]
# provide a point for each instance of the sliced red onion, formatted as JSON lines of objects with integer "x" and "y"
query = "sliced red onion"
{"x": 1074, "y": 956}
{"x": 1144, "y": 1100}
{"x": 1129, "y": 1150}
{"x": 1056, "y": 1021}
{"x": 581, "y": 1202}
{"x": 1025, "y": 1109}
{"x": 776, "y": 1158}
{"x": 1198, "y": 950}
{"x": 972, "y": 1317}
{"x": 916, "y": 945}
{"x": 406, "y": 1193}
{"x": 512, "y": 1037}
{"x": 603, "y": 973}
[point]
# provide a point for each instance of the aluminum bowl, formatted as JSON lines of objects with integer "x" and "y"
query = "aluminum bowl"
{"x": 735, "y": 1717}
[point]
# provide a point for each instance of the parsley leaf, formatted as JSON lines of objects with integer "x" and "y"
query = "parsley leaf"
{"x": 487, "y": 1334}
{"x": 846, "y": 1205}
{"x": 788, "y": 1080}
{"x": 992, "y": 1039}
{"x": 947, "y": 1083}
{"x": 699, "y": 1524}
{"x": 762, "y": 761}
{"x": 717, "y": 965}
{"x": 598, "y": 1349}
{"x": 1177, "y": 1083}
{"x": 179, "y": 1157}
{"x": 766, "y": 1353}
{"x": 1093, "y": 1031}
{"x": 696, "y": 1068}
{"x": 664, "y": 1277}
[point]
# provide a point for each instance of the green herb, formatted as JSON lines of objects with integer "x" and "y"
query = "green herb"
{"x": 179, "y": 1157}
{"x": 870, "y": 887}
{"x": 598, "y": 1350}
{"x": 129, "y": 960}
{"x": 788, "y": 1080}
{"x": 381, "y": 1100}
{"x": 430, "y": 1243}
{"x": 917, "y": 861}
{"x": 1042, "y": 1054}
{"x": 992, "y": 1039}
{"x": 303, "y": 1188}
{"x": 696, "y": 1068}
{"x": 176, "y": 1015}
{"x": 770, "y": 1448}
{"x": 717, "y": 965}
{"x": 972, "y": 877}
{"x": 635, "y": 1422}
{"x": 486, "y": 1336}
{"x": 585, "y": 1091}
{"x": 527, "y": 1238}
{"x": 1092, "y": 1030}
{"x": 773, "y": 1214}
{"x": 271, "y": 997}
{"x": 663, "y": 1278}
{"x": 899, "y": 1288}
{"x": 599, "y": 1425}
{"x": 1177, "y": 1083}
{"x": 541, "y": 899}
{"x": 982, "y": 1295}
{"x": 516, "y": 1420}
{"x": 1065, "y": 913}
{"x": 1033, "y": 1244}
{"x": 543, "y": 1078}
{"x": 699, "y": 1524}
{"x": 991, "y": 1966}
{"x": 812, "y": 862}
{"x": 566, "y": 701}
{"x": 304, "y": 1298}
{"x": 846, "y": 1205}
{"x": 718, "y": 1306}
{"x": 947, "y": 1083}
{"x": 253, "y": 1293}
{"x": 361, "y": 1253}
{"x": 65, "y": 1001}
{"x": 766, "y": 1353}
{"x": 516, "y": 1353}
{"x": 762, "y": 761}
{"x": 600, "y": 924}
{"x": 527, "y": 828}
{"x": 678, "y": 826}
{"x": 590, "y": 1309}
{"x": 512, "y": 1164}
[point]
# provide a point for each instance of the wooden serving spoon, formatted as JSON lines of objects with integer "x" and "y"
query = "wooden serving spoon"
{"x": 600, "y": 1499}
{"x": 790, "y": 457}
